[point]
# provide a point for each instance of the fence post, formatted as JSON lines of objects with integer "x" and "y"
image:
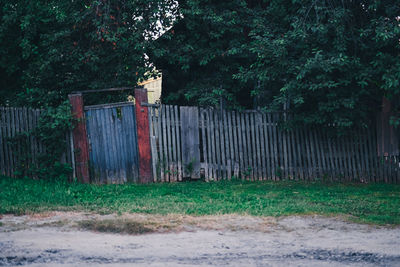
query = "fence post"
{"x": 81, "y": 144}
{"x": 143, "y": 135}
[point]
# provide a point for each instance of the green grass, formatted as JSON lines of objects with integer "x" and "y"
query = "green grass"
{"x": 367, "y": 203}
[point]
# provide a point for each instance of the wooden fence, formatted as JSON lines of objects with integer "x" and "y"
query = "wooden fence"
{"x": 22, "y": 154}
{"x": 251, "y": 145}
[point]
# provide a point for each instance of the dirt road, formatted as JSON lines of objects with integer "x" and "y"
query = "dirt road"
{"x": 58, "y": 240}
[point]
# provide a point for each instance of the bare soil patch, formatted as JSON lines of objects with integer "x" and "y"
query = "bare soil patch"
{"x": 84, "y": 239}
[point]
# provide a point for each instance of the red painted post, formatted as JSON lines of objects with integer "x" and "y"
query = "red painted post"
{"x": 143, "y": 134}
{"x": 81, "y": 144}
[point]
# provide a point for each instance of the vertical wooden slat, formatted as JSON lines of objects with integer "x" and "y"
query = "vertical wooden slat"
{"x": 257, "y": 126}
{"x": 231, "y": 145}
{"x": 18, "y": 142}
{"x": 338, "y": 162}
{"x": 228, "y": 139}
{"x": 212, "y": 144}
{"x": 343, "y": 157}
{"x": 362, "y": 155}
{"x": 275, "y": 132}
{"x": 118, "y": 154}
{"x": 154, "y": 138}
{"x": 293, "y": 166}
{"x": 281, "y": 149}
{"x": 248, "y": 146}
{"x": 133, "y": 147}
{"x": 3, "y": 160}
{"x": 165, "y": 143}
{"x": 204, "y": 142}
{"x": 211, "y": 148}
{"x": 262, "y": 143}
{"x": 160, "y": 144}
{"x": 321, "y": 141}
{"x": 347, "y": 158}
{"x": 174, "y": 145}
{"x": 292, "y": 154}
{"x": 24, "y": 117}
{"x": 228, "y": 168}
{"x": 304, "y": 154}
{"x": 240, "y": 131}
{"x": 103, "y": 150}
{"x": 267, "y": 145}
{"x": 119, "y": 150}
{"x": 153, "y": 143}
{"x": 29, "y": 142}
{"x": 217, "y": 145}
{"x": 221, "y": 134}
{"x": 384, "y": 167}
{"x": 17, "y": 146}
{"x": 253, "y": 146}
{"x": 8, "y": 135}
{"x": 270, "y": 146}
{"x": 236, "y": 144}
{"x": 122, "y": 146}
{"x": 353, "y": 148}
{"x": 332, "y": 168}
{"x": 12, "y": 134}
{"x": 178, "y": 144}
{"x": 365, "y": 155}
{"x": 2, "y": 146}
{"x": 306, "y": 136}
{"x": 34, "y": 140}
{"x": 352, "y": 157}
{"x": 398, "y": 170}
{"x": 111, "y": 151}
{"x": 320, "y": 151}
{"x": 357, "y": 140}
{"x": 373, "y": 154}
{"x": 169, "y": 142}
{"x": 315, "y": 154}
{"x": 286, "y": 149}
{"x": 300, "y": 164}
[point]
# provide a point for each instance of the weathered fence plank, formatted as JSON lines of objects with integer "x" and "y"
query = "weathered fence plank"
{"x": 251, "y": 145}
{"x": 19, "y": 148}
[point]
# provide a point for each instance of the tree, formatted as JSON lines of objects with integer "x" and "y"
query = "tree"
{"x": 326, "y": 61}
{"x": 50, "y": 48}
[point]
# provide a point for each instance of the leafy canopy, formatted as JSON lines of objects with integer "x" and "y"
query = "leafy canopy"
{"x": 50, "y": 48}
{"x": 327, "y": 61}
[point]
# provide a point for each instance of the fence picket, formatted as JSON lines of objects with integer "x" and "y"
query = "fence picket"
{"x": 211, "y": 147}
{"x": 299, "y": 168}
{"x": 3, "y": 164}
{"x": 221, "y": 127}
{"x": 231, "y": 145}
{"x": 204, "y": 143}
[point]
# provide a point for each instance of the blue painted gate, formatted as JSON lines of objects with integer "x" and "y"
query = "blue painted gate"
{"x": 113, "y": 147}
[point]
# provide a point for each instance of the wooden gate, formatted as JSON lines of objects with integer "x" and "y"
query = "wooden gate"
{"x": 113, "y": 147}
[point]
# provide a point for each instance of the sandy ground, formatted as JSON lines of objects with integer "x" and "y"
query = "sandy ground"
{"x": 58, "y": 239}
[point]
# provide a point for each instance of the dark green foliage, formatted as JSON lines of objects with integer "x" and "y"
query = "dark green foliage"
{"x": 368, "y": 203}
{"x": 51, "y": 131}
{"x": 327, "y": 61}
{"x": 50, "y": 48}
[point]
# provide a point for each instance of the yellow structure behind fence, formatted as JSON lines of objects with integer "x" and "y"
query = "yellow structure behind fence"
{"x": 153, "y": 87}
